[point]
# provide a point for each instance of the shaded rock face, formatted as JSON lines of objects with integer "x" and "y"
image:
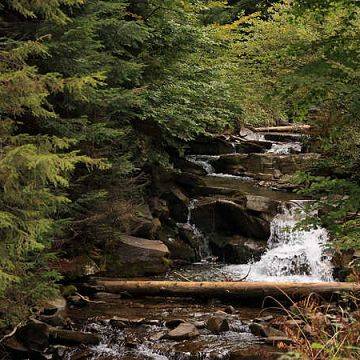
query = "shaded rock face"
{"x": 253, "y": 146}
{"x": 210, "y": 146}
{"x": 178, "y": 204}
{"x": 263, "y": 166}
{"x": 179, "y": 250}
{"x": 145, "y": 225}
{"x": 237, "y": 249}
{"x": 228, "y": 217}
{"x": 132, "y": 256}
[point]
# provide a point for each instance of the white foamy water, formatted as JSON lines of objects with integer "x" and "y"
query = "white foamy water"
{"x": 203, "y": 243}
{"x": 285, "y": 148}
{"x": 292, "y": 254}
{"x": 203, "y": 161}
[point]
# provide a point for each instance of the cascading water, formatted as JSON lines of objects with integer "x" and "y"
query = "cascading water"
{"x": 285, "y": 148}
{"x": 203, "y": 245}
{"x": 293, "y": 254}
{"x": 203, "y": 161}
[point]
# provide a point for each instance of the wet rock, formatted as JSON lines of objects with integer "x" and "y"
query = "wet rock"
{"x": 228, "y": 217}
{"x": 191, "y": 237}
{"x": 158, "y": 336}
{"x": 190, "y": 181}
{"x": 200, "y": 324}
{"x": 253, "y": 146}
{"x": 230, "y": 310}
{"x": 133, "y": 256}
{"x": 71, "y": 337}
{"x": 180, "y": 250}
{"x": 237, "y": 249}
{"x": 178, "y": 204}
{"x": 59, "y": 352}
{"x": 190, "y": 167}
{"x": 264, "y": 330}
{"x": 210, "y": 146}
{"x": 120, "y": 323}
{"x": 217, "y": 324}
{"x": 262, "y": 204}
{"x": 184, "y": 331}
{"x": 263, "y": 166}
{"x": 107, "y": 296}
{"x": 173, "y": 323}
{"x": 77, "y": 301}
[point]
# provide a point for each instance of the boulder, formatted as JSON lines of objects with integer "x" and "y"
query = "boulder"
{"x": 189, "y": 180}
{"x": 173, "y": 323}
{"x": 253, "y": 146}
{"x": 237, "y": 249}
{"x": 184, "y": 331}
{"x": 262, "y": 204}
{"x": 263, "y": 166}
{"x": 178, "y": 204}
{"x": 120, "y": 323}
{"x": 190, "y": 167}
{"x": 207, "y": 145}
{"x": 227, "y": 217}
{"x": 132, "y": 256}
{"x": 217, "y": 324}
{"x": 71, "y": 337}
{"x": 144, "y": 224}
{"x": 265, "y": 330}
{"x": 180, "y": 250}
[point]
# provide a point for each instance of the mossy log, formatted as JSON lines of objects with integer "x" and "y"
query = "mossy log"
{"x": 227, "y": 290}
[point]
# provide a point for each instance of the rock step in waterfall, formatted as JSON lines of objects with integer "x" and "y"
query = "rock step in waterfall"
{"x": 247, "y": 220}
{"x": 229, "y": 198}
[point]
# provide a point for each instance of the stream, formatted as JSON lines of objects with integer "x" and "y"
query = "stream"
{"x": 291, "y": 254}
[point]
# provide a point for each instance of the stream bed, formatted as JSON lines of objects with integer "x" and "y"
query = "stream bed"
{"x": 291, "y": 254}
{"x": 143, "y": 340}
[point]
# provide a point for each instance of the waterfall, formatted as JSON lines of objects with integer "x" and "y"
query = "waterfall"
{"x": 203, "y": 244}
{"x": 285, "y": 148}
{"x": 292, "y": 254}
{"x": 203, "y": 161}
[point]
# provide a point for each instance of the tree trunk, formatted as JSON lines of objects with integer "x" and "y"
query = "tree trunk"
{"x": 229, "y": 290}
{"x": 287, "y": 128}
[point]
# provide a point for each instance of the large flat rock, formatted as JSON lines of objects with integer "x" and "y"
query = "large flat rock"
{"x": 132, "y": 256}
{"x": 266, "y": 166}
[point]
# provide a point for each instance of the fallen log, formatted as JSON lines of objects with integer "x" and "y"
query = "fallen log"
{"x": 286, "y": 129}
{"x": 227, "y": 290}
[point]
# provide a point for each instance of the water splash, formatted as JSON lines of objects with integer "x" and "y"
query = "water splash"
{"x": 203, "y": 247}
{"x": 285, "y": 148}
{"x": 293, "y": 254}
{"x": 203, "y": 161}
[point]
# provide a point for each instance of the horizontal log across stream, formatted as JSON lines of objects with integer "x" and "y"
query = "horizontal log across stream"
{"x": 228, "y": 290}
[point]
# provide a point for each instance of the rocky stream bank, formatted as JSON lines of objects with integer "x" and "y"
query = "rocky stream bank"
{"x": 226, "y": 212}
